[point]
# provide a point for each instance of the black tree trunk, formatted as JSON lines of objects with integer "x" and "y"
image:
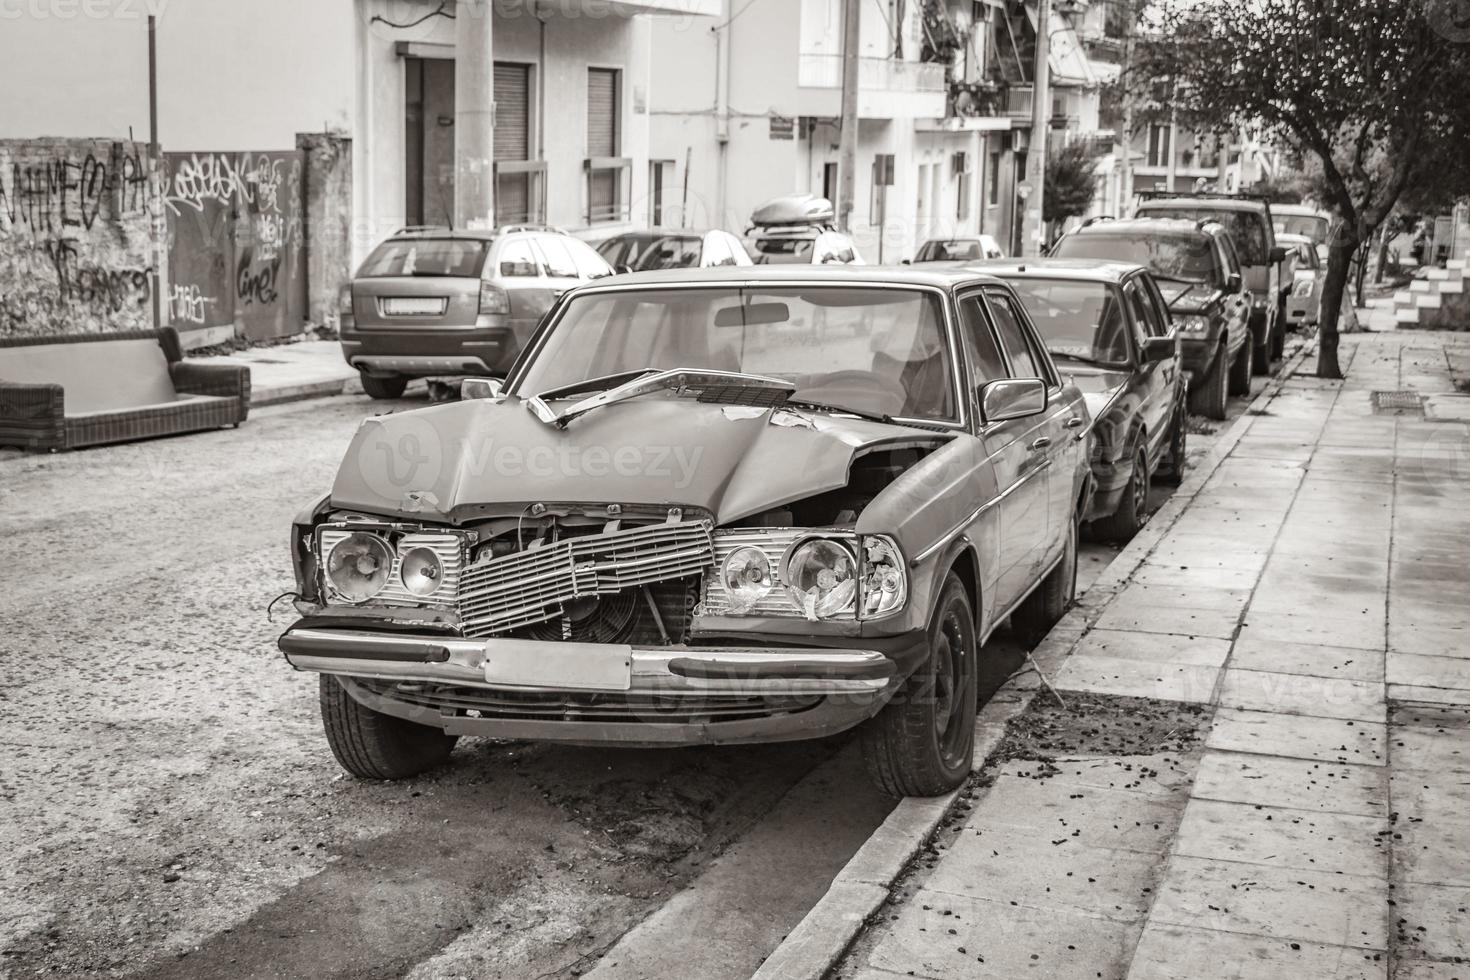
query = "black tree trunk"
{"x": 1334, "y": 291}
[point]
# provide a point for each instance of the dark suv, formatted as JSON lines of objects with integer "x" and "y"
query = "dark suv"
{"x": 1198, "y": 272}
{"x": 432, "y": 302}
{"x": 1251, "y": 225}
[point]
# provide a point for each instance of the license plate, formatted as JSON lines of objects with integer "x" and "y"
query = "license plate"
{"x": 413, "y": 305}
{"x": 579, "y": 666}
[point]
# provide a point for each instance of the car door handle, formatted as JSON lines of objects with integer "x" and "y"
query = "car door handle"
{"x": 1074, "y": 423}
{"x": 1041, "y": 443}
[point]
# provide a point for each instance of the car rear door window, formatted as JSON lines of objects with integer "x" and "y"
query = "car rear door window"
{"x": 1155, "y": 324}
{"x": 518, "y": 260}
{"x": 559, "y": 261}
{"x": 1137, "y": 312}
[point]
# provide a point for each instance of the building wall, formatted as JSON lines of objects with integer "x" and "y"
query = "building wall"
{"x": 572, "y": 45}
{"x": 76, "y": 245}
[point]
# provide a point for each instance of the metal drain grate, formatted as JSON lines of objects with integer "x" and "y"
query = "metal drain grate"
{"x": 1398, "y": 403}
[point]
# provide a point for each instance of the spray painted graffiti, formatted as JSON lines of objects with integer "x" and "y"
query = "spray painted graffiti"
{"x": 187, "y": 305}
{"x": 235, "y": 236}
{"x": 75, "y": 243}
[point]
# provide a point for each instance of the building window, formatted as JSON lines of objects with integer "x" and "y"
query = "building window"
{"x": 992, "y": 179}
{"x": 607, "y": 172}
{"x": 1158, "y": 145}
{"x": 519, "y": 181}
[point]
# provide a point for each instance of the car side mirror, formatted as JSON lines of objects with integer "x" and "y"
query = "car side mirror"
{"x": 1278, "y": 254}
{"x": 1233, "y": 282}
{"x": 1013, "y": 398}
{"x": 906, "y": 262}
{"x": 1158, "y": 349}
{"x": 481, "y": 388}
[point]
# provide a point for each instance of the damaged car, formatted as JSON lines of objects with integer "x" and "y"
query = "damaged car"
{"x": 706, "y": 507}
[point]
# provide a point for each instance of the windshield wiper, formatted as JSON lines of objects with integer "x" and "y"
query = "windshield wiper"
{"x": 700, "y": 380}
{"x": 1080, "y": 359}
{"x": 843, "y": 410}
{"x": 595, "y": 384}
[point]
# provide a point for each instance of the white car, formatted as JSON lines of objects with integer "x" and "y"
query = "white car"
{"x": 798, "y": 230}
{"x": 1305, "y": 266}
{"x": 672, "y": 248}
{"x": 976, "y": 248}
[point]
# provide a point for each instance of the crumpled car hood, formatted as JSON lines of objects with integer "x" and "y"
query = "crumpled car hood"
{"x": 471, "y": 459}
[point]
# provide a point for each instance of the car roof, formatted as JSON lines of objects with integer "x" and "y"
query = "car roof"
{"x": 1206, "y": 203}
{"x": 1299, "y": 211}
{"x": 1087, "y": 270}
{"x": 944, "y": 277}
{"x": 662, "y": 233}
{"x": 1174, "y": 226}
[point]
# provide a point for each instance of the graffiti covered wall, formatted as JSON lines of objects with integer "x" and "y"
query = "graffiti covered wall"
{"x": 235, "y": 241}
{"x": 75, "y": 237}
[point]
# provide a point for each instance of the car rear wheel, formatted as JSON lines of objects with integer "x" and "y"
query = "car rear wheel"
{"x": 1123, "y": 523}
{"x": 1045, "y": 607}
{"x": 380, "y": 387}
{"x": 372, "y": 745}
{"x": 1278, "y": 334}
{"x": 1240, "y": 371}
{"x": 923, "y": 741}
{"x": 1209, "y": 398}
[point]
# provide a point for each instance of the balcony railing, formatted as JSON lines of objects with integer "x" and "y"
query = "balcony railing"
{"x": 874, "y": 74}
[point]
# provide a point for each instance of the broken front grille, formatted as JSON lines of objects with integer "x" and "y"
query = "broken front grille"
{"x": 534, "y": 585}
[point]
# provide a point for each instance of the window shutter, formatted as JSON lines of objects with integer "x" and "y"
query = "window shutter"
{"x": 602, "y": 112}
{"x": 512, "y": 112}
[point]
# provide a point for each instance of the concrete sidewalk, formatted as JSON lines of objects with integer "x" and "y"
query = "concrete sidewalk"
{"x": 292, "y": 372}
{"x": 1263, "y": 765}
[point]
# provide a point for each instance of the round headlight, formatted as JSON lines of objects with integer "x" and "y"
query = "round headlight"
{"x": 421, "y": 571}
{"x": 358, "y": 565}
{"x": 821, "y": 575}
{"x": 747, "y": 578}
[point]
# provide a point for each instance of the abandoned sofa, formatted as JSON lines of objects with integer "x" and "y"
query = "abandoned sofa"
{"x": 66, "y": 392}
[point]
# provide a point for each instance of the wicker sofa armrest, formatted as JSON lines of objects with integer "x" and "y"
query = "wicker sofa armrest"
{"x": 193, "y": 378}
{"x": 33, "y": 416}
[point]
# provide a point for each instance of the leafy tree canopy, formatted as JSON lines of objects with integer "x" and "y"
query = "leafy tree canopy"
{"x": 1071, "y": 182}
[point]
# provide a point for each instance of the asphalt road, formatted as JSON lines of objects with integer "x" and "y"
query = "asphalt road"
{"x": 168, "y": 805}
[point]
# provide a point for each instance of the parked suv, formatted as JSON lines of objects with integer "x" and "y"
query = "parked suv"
{"x": 1199, "y": 275}
{"x": 797, "y": 230}
{"x": 433, "y": 302}
{"x": 1252, "y": 226}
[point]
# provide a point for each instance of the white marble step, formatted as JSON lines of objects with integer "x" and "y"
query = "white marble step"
{"x": 1430, "y": 301}
{"x": 1406, "y": 316}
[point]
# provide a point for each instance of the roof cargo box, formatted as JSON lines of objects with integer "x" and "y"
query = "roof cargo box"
{"x": 794, "y": 209}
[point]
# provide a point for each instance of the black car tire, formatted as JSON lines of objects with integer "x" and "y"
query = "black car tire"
{"x": 1172, "y": 473}
{"x": 1261, "y": 359}
{"x": 1045, "y": 607}
{"x": 1278, "y": 333}
{"x": 372, "y": 745}
{"x": 1123, "y": 523}
{"x": 1209, "y": 398}
{"x": 379, "y": 387}
{"x": 1240, "y": 371}
{"x": 923, "y": 741}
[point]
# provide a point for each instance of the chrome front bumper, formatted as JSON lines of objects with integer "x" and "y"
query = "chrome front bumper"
{"x": 537, "y": 666}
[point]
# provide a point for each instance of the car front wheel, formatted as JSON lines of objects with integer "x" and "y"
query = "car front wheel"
{"x": 1240, "y": 371}
{"x": 1173, "y": 473}
{"x": 1123, "y": 523}
{"x": 372, "y": 745}
{"x": 923, "y": 741}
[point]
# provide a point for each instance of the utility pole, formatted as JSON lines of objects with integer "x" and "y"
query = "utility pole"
{"x": 474, "y": 114}
{"x": 852, "y": 21}
{"x": 1033, "y": 228}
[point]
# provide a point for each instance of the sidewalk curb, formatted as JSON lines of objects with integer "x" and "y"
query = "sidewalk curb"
{"x": 827, "y": 931}
{"x": 261, "y": 397}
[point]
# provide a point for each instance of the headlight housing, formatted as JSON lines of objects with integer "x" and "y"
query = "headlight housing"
{"x": 1192, "y": 324}
{"x": 747, "y": 577}
{"x": 821, "y": 577}
{"x": 357, "y": 567}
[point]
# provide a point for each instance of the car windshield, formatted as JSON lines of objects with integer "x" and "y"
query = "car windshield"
{"x": 950, "y": 251}
{"x": 778, "y": 251}
{"x": 1077, "y": 320}
{"x": 1247, "y": 228}
{"x": 1313, "y": 226}
{"x": 425, "y": 257}
{"x": 642, "y": 253}
{"x": 1188, "y": 258}
{"x": 875, "y": 351}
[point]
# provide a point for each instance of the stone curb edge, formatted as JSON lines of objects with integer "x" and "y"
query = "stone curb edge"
{"x": 261, "y": 397}
{"x": 811, "y": 949}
